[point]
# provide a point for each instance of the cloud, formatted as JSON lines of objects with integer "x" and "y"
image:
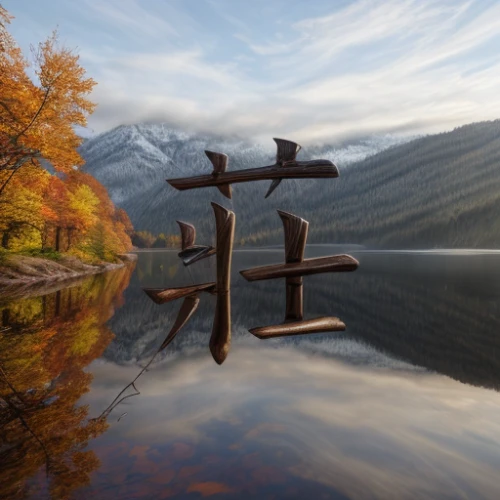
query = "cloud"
{"x": 129, "y": 16}
{"x": 316, "y": 73}
{"x": 354, "y": 429}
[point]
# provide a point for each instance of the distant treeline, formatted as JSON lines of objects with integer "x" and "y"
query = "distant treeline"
{"x": 145, "y": 239}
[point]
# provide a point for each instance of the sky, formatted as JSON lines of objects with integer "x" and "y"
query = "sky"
{"x": 313, "y": 71}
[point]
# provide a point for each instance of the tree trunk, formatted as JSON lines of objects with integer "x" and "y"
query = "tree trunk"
{"x": 6, "y": 317}
{"x": 69, "y": 234}
{"x": 5, "y": 239}
{"x": 58, "y": 239}
{"x": 57, "y": 311}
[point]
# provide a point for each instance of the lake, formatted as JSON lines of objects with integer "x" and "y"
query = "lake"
{"x": 404, "y": 404}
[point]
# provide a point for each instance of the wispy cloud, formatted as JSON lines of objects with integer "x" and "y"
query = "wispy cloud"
{"x": 390, "y": 429}
{"x": 132, "y": 18}
{"x": 309, "y": 71}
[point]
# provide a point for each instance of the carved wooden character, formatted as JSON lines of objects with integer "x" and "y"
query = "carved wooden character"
{"x": 191, "y": 253}
{"x": 293, "y": 270}
{"x": 286, "y": 167}
{"x": 220, "y": 340}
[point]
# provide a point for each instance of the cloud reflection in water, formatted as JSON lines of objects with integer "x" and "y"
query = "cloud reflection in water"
{"x": 291, "y": 423}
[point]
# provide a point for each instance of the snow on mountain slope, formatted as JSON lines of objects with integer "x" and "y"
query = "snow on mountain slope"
{"x": 134, "y": 161}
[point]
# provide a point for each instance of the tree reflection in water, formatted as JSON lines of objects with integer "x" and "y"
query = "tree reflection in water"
{"x": 45, "y": 344}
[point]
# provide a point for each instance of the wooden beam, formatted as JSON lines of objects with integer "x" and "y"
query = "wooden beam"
{"x": 164, "y": 295}
{"x": 188, "y": 234}
{"x": 220, "y": 340}
{"x": 189, "y": 306}
{"x": 195, "y": 253}
{"x": 295, "y": 170}
{"x": 317, "y": 325}
{"x": 331, "y": 264}
{"x": 295, "y": 229}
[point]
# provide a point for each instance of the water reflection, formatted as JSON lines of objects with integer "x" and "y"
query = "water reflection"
{"x": 280, "y": 423}
{"x": 45, "y": 346}
{"x": 363, "y": 414}
{"x": 435, "y": 311}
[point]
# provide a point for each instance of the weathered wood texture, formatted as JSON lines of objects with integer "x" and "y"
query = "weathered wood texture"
{"x": 195, "y": 253}
{"x": 218, "y": 160}
{"x": 295, "y": 229}
{"x": 189, "y": 306}
{"x": 191, "y": 253}
{"x": 188, "y": 234}
{"x": 294, "y": 305}
{"x": 317, "y": 325}
{"x": 164, "y": 295}
{"x": 220, "y": 340}
{"x": 331, "y": 264}
{"x": 286, "y": 167}
{"x": 323, "y": 169}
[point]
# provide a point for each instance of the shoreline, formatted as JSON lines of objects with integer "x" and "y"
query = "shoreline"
{"x": 21, "y": 275}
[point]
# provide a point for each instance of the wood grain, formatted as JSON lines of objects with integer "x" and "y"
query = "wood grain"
{"x": 188, "y": 234}
{"x": 220, "y": 340}
{"x": 317, "y": 325}
{"x": 295, "y": 229}
{"x": 218, "y": 160}
{"x": 195, "y": 253}
{"x": 323, "y": 169}
{"x": 331, "y": 264}
{"x": 164, "y": 295}
{"x": 188, "y": 307}
{"x": 191, "y": 253}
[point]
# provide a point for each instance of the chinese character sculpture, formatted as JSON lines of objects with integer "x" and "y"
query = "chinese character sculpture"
{"x": 286, "y": 167}
{"x": 293, "y": 269}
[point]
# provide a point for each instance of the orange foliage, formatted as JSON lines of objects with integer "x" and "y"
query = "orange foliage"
{"x": 69, "y": 211}
{"x": 42, "y": 378}
{"x": 37, "y": 119}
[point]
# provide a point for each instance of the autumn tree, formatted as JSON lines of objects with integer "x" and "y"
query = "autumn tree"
{"x": 66, "y": 210}
{"x": 22, "y": 210}
{"x": 143, "y": 239}
{"x": 37, "y": 118}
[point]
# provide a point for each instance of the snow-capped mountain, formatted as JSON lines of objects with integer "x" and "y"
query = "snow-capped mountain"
{"x": 134, "y": 161}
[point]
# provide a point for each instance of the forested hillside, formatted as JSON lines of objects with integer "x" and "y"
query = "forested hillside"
{"x": 437, "y": 191}
{"x": 134, "y": 161}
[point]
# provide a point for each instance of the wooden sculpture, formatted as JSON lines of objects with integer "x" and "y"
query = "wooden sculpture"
{"x": 295, "y": 230}
{"x": 188, "y": 307}
{"x": 191, "y": 253}
{"x": 293, "y": 270}
{"x": 220, "y": 340}
{"x": 286, "y": 167}
{"x": 164, "y": 295}
{"x": 317, "y": 325}
{"x": 331, "y": 264}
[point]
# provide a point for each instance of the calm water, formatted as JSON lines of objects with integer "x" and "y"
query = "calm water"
{"x": 404, "y": 404}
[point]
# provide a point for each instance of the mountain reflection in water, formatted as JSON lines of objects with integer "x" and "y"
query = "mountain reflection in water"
{"x": 367, "y": 413}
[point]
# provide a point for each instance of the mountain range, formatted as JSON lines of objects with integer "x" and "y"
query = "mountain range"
{"x": 440, "y": 190}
